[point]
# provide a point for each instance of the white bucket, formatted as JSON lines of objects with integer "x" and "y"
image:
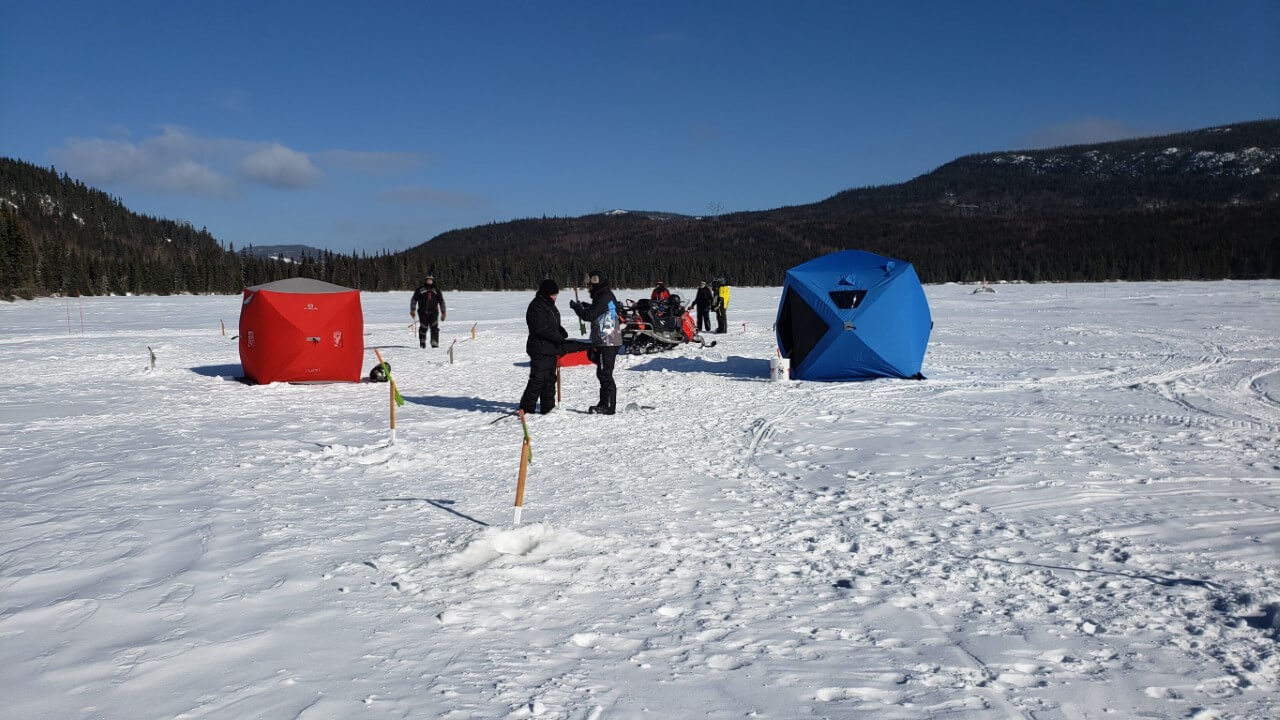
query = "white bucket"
{"x": 780, "y": 369}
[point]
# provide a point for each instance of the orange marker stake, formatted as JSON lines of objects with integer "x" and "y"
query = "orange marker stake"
{"x": 390, "y": 381}
{"x": 526, "y": 454}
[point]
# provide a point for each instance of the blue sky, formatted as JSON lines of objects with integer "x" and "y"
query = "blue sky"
{"x": 369, "y": 126}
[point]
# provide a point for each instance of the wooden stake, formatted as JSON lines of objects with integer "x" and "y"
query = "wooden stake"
{"x": 224, "y": 328}
{"x": 525, "y": 453}
{"x": 392, "y": 384}
{"x": 473, "y": 331}
{"x": 392, "y": 398}
{"x": 558, "y": 385}
{"x": 455, "y": 342}
{"x": 81, "y": 303}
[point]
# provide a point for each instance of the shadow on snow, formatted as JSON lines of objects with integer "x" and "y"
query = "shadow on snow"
{"x": 733, "y": 366}
{"x": 1148, "y": 577}
{"x": 232, "y": 371}
{"x": 469, "y": 404}
{"x": 442, "y": 504}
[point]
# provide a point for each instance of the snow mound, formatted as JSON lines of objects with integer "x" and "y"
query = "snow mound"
{"x": 527, "y": 544}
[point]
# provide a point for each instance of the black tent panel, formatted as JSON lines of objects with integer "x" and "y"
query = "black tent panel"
{"x": 800, "y": 329}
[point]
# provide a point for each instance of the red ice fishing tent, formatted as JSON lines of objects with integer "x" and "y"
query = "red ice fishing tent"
{"x": 301, "y": 330}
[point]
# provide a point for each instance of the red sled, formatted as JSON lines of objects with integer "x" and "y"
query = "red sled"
{"x": 575, "y": 355}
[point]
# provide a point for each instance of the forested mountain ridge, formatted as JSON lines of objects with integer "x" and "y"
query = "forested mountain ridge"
{"x": 1229, "y": 165}
{"x": 58, "y": 235}
{"x": 1192, "y": 205}
{"x": 1200, "y": 204}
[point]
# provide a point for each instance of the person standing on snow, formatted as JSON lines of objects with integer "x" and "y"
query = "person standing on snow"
{"x": 545, "y": 345}
{"x": 703, "y": 302}
{"x": 660, "y": 293}
{"x": 720, "y": 290}
{"x": 606, "y": 337}
{"x": 428, "y": 299}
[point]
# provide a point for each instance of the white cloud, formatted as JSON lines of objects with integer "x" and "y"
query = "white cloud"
{"x": 101, "y": 161}
{"x": 278, "y": 166}
{"x": 193, "y": 177}
{"x": 161, "y": 163}
{"x": 176, "y": 160}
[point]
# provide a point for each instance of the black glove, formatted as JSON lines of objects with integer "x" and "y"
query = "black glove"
{"x": 563, "y": 333}
{"x": 575, "y": 304}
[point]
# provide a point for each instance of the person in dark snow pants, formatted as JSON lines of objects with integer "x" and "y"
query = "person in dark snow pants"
{"x": 544, "y": 346}
{"x": 720, "y": 293}
{"x": 704, "y": 302}
{"x": 430, "y": 302}
{"x": 606, "y": 337}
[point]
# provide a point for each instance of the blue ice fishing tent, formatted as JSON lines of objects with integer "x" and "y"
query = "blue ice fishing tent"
{"x": 853, "y": 315}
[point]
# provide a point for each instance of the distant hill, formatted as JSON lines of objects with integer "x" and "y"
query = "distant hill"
{"x": 1222, "y": 166}
{"x": 1203, "y": 204}
{"x": 1200, "y": 204}
{"x": 58, "y": 235}
{"x": 288, "y": 253}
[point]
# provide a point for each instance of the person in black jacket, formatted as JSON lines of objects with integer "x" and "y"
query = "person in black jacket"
{"x": 545, "y": 345}
{"x": 704, "y": 302}
{"x": 606, "y": 337}
{"x": 720, "y": 304}
{"x": 428, "y": 299}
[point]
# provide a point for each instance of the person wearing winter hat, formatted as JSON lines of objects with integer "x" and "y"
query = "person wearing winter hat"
{"x": 428, "y": 299}
{"x": 544, "y": 346}
{"x": 704, "y": 301}
{"x": 606, "y": 337}
{"x": 720, "y": 293}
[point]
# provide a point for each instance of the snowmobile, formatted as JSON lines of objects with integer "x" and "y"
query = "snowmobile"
{"x": 650, "y": 326}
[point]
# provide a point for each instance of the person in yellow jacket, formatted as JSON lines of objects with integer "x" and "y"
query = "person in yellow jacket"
{"x": 720, "y": 289}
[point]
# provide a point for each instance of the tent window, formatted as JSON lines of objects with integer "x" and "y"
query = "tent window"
{"x": 847, "y": 299}
{"x": 799, "y": 328}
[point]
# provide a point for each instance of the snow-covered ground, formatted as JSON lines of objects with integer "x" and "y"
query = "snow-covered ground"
{"x": 1076, "y": 516}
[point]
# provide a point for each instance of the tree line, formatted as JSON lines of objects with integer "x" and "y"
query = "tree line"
{"x": 971, "y": 219}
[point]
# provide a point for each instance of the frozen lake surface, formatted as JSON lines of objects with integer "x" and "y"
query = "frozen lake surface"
{"x": 1077, "y": 515}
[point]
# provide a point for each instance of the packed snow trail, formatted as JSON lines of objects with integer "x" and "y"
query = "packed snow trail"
{"x": 1076, "y": 516}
